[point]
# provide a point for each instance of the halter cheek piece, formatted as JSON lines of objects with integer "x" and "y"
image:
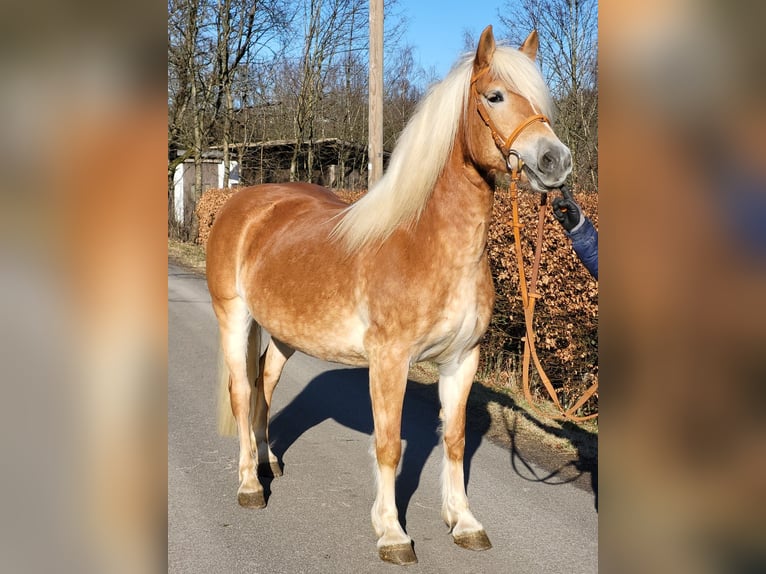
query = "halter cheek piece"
{"x": 503, "y": 144}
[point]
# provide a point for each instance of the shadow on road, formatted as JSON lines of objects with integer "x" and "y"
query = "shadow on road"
{"x": 553, "y": 467}
{"x": 343, "y": 396}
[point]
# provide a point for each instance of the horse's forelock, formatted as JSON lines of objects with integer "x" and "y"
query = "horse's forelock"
{"x": 523, "y": 76}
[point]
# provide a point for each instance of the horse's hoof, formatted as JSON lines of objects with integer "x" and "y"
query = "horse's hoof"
{"x": 473, "y": 540}
{"x": 401, "y": 554}
{"x": 269, "y": 469}
{"x": 251, "y": 499}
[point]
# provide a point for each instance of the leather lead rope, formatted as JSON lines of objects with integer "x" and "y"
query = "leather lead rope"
{"x": 529, "y": 298}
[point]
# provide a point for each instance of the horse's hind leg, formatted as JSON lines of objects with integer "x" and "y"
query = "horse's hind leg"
{"x": 234, "y": 320}
{"x": 454, "y": 385}
{"x": 272, "y": 363}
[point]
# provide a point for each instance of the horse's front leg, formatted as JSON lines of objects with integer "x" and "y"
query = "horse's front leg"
{"x": 388, "y": 380}
{"x": 455, "y": 381}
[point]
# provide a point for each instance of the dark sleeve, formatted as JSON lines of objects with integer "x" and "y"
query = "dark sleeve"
{"x": 585, "y": 244}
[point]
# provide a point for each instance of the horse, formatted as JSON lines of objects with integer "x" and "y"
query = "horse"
{"x": 398, "y": 277}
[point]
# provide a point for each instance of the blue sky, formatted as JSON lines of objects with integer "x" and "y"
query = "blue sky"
{"x": 435, "y": 28}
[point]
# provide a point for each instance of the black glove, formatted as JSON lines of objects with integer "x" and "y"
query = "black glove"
{"x": 566, "y": 211}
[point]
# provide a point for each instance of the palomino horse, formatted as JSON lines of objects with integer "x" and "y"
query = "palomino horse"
{"x": 400, "y": 276}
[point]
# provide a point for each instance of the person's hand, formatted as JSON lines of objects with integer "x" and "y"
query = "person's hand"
{"x": 566, "y": 211}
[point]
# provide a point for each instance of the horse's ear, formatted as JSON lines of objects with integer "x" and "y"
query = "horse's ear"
{"x": 485, "y": 50}
{"x": 530, "y": 45}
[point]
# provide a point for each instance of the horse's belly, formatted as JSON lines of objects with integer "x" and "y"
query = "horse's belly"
{"x": 339, "y": 339}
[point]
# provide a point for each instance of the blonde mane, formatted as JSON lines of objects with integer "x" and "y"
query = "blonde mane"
{"x": 424, "y": 146}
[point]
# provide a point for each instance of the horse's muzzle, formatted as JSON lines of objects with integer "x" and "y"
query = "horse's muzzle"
{"x": 554, "y": 164}
{"x": 549, "y": 166}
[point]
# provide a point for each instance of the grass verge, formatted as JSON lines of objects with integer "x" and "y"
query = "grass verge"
{"x": 188, "y": 254}
{"x": 509, "y": 412}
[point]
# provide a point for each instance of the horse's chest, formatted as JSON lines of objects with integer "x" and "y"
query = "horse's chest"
{"x": 462, "y": 318}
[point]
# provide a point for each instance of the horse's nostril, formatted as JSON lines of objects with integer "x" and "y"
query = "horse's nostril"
{"x": 547, "y": 161}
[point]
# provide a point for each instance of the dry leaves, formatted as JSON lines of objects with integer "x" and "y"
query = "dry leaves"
{"x": 207, "y": 208}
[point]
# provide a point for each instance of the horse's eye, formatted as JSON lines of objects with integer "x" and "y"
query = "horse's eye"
{"x": 495, "y": 97}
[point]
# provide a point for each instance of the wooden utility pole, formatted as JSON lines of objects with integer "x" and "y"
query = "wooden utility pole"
{"x": 375, "y": 145}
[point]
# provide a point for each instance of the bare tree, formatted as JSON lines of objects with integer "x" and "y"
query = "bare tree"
{"x": 208, "y": 43}
{"x": 243, "y": 27}
{"x": 236, "y": 75}
{"x": 333, "y": 32}
{"x": 568, "y": 51}
{"x": 186, "y": 96}
{"x": 402, "y": 92}
{"x": 329, "y": 28}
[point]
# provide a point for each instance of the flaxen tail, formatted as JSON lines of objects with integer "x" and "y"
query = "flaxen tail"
{"x": 227, "y": 426}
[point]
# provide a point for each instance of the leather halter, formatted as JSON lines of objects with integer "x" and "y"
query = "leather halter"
{"x": 503, "y": 144}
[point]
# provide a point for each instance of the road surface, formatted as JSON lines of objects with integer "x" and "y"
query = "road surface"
{"x": 318, "y": 513}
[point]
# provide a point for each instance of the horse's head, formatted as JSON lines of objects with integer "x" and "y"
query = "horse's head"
{"x": 507, "y": 107}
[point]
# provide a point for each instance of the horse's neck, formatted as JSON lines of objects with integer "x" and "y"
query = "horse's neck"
{"x": 459, "y": 210}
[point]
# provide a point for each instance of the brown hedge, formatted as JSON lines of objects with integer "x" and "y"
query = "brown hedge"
{"x": 207, "y": 208}
{"x": 566, "y": 316}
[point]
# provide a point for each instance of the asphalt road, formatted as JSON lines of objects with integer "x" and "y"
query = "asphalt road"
{"x": 318, "y": 513}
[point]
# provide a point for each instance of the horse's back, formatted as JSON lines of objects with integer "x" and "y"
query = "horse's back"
{"x": 253, "y": 213}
